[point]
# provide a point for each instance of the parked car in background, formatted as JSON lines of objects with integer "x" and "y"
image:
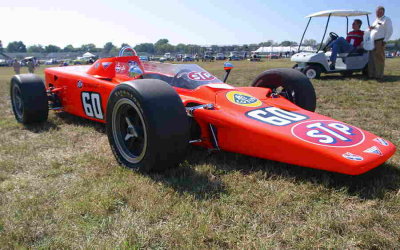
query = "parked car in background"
{"x": 234, "y": 56}
{"x": 51, "y": 62}
{"x": 167, "y": 57}
{"x": 208, "y": 56}
{"x": 144, "y": 58}
{"x": 3, "y": 63}
{"x": 220, "y": 56}
{"x": 187, "y": 58}
{"x": 389, "y": 54}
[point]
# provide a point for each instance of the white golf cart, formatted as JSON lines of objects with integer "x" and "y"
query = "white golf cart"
{"x": 312, "y": 64}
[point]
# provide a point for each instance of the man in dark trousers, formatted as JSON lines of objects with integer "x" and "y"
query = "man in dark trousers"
{"x": 383, "y": 29}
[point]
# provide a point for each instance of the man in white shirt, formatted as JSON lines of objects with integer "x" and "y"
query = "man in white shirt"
{"x": 383, "y": 29}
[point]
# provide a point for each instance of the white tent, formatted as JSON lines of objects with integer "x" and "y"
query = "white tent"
{"x": 88, "y": 54}
{"x": 282, "y": 49}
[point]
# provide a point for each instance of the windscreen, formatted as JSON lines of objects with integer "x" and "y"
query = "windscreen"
{"x": 187, "y": 76}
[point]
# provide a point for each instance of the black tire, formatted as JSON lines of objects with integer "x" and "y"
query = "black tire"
{"x": 312, "y": 71}
{"x": 296, "y": 87}
{"x": 295, "y": 66}
{"x": 29, "y": 98}
{"x": 147, "y": 125}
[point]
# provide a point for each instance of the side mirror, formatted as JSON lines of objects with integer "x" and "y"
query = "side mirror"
{"x": 135, "y": 71}
{"x": 227, "y": 67}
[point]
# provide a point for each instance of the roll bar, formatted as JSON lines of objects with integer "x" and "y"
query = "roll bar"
{"x": 129, "y": 48}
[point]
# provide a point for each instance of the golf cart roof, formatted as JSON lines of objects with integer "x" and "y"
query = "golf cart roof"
{"x": 342, "y": 13}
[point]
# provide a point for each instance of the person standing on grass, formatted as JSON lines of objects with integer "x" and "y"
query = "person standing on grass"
{"x": 31, "y": 66}
{"x": 383, "y": 31}
{"x": 17, "y": 66}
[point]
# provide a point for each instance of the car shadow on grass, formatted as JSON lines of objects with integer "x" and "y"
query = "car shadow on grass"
{"x": 187, "y": 180}
{"x": 183, "y": 179}
{"x": 76, "y": 120}
{"x": 374, "y": 184}
{"x": 41, "y": 127}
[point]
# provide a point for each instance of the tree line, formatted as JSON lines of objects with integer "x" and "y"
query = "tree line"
{"x": 160, "y": 47}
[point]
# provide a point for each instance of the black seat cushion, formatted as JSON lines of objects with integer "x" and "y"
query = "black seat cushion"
{"x": 357, "y": 52}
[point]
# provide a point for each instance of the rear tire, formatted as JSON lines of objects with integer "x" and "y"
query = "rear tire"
{"x": 29, "y": 98}
{"x": 312, "y": 71}
{"x": 147, "y": 125}
{"x": 296, "y": 87}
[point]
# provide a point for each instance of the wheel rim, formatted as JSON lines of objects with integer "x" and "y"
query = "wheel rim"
{"x": 17, "y": 101}
{"x": 311, "y": 73}
{"x": 288, "y": 93}
{"x": 129, "y": 130}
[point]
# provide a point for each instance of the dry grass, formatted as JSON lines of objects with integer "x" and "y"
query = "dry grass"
{"x": 60, "y": 186}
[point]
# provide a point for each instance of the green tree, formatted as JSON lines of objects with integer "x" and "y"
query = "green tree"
{"x": 162, "y": 46}
{"x": 36, "y": 49}
{"x": 52, "y": 48}
{"x": 69, "y": 48}
{"x": 124, "y": 45}
{"x": 180, "y": 48}
{"x": 309, "y": 42}
{"x": 145, "y": 47}
{"x": 288, "y": 43}
{"x": 108, "y": 47}
{"x": 267, "y": 43}
{"x": 88, "y": 48}
{"x": 16, "y": 47}
{"x": 161, "y": 42}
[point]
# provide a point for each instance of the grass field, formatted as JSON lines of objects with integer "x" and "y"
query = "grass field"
{"x": 60, "y": 186}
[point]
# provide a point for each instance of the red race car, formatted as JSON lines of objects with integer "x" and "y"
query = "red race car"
{"x": 153, "y": 111}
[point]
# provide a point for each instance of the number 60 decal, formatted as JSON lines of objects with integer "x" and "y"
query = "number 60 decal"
{"x": 91, "y": 103}
{"x": 275, "y": 116}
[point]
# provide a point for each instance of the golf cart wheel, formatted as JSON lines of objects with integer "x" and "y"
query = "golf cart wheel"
{"x": 312, "y": 71}
{"x": 291, "y": 84}
{"x": 295, "y": 66}
{"x": 29, "y": 98}
{"x": 147, "y": 125}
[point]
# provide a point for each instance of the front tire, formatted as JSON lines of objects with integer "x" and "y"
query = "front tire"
{"x": 291, "y": 84}
{"x": 147, "y": 125}
{"x": 312, "y": 72}
{"x": 29, "y": 98}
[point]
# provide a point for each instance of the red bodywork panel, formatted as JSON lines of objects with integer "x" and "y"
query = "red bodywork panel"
{"x": 247, "y": 120}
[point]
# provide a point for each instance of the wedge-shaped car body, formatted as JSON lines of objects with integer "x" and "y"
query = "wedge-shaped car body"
{"x": 153, "y": 111}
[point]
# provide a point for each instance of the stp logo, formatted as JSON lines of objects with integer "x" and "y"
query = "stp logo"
{"x": 328, "y": 133}
{"x": 200, "y": 76}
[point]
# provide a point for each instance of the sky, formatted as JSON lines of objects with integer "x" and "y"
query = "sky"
{"x": 202, "y": 22}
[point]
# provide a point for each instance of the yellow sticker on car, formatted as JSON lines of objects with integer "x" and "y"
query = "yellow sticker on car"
{"x": 243, "y": 99}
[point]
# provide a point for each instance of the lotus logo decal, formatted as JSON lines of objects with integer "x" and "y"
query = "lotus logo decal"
{"x": 243, "y": 99}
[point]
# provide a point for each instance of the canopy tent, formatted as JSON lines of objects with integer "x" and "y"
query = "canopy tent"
{"x": 342, "y": 13}
{"x": 88, "y": 54}
{"x": 282, "y": 49}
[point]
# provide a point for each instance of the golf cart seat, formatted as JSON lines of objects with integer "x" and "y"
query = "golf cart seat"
{"x": 356, "y": 52}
